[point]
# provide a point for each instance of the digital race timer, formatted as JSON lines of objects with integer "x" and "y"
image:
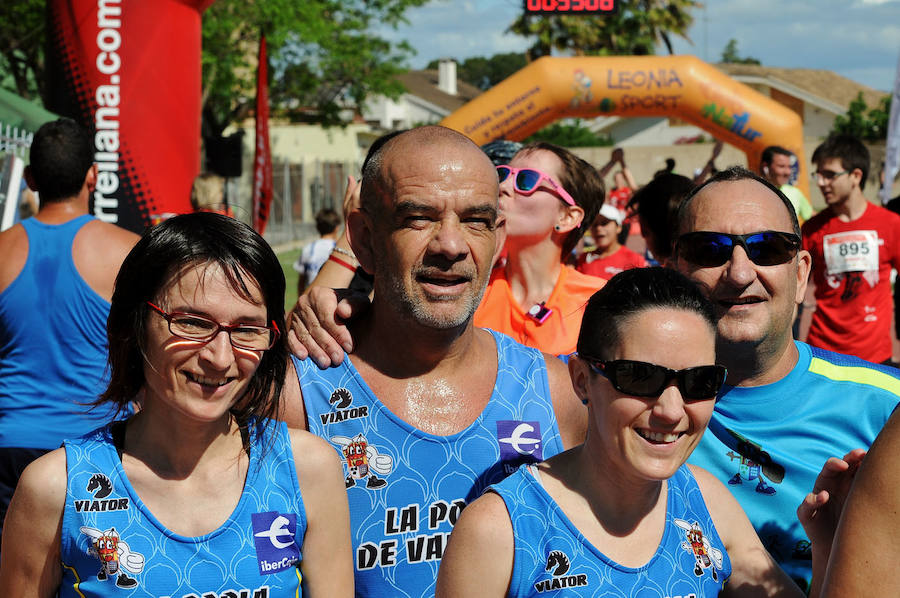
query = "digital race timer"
{"x": 570, "y": 7}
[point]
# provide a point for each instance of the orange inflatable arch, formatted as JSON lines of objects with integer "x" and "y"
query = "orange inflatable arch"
{"x": 551, "y": 88}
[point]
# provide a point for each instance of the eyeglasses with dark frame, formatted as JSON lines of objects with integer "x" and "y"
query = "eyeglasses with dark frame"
{"x": 642, "y": 379}
{"x": 709, "y": 249}
{"x": 194, "y": 327}
{"x": 827, "y": 175}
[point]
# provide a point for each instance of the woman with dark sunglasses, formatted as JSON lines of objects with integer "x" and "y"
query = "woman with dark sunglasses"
{"x": 200, "y": 492}
{"x": 622, "y": 515}
{"x": 548, "y": 198}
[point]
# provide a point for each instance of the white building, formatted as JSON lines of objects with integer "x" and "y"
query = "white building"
{"x": 430, "y": 96}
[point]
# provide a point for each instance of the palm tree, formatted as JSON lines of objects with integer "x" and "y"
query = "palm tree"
{"x": 637, "y": 28}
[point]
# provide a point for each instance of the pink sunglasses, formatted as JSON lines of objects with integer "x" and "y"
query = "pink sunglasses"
{"x": 527, "y": 180}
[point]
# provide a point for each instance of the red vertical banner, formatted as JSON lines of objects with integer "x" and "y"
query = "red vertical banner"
{"x": 129, "y": 70}
{"x": 262, "y": 163}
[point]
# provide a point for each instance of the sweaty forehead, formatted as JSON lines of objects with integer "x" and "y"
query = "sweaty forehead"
{"x": 736, "y": 207}
{"x": 441, "y": 167}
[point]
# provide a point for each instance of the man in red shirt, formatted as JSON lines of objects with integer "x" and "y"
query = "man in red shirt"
{"x": 854, "y": 244}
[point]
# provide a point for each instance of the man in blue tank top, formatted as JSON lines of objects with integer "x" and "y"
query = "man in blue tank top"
{"x": 428, "y": 410}
{"x": 56, "y": 280}
{"x": 786, "y": 407}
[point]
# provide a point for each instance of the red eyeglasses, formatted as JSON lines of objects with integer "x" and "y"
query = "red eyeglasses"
{"x": 194, "y": 327}
{"x": 527, "y": 180}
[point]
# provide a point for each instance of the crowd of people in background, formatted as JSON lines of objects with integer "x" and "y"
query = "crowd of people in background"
{"x": 670, "y": 384}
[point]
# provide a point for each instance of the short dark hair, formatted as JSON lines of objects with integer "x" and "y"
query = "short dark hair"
{"x": 61, "y": 155}
{"x": 583, "y": 183}
{"x": 769, "y": 153}
{"x": 733, "y": 174}
{"x": 327, "y": 221}
{"x": 849, "y": 150}
{"x": 629, "y": 293}
{"x": 165, "y": 253}
{"x": 656, "y": 204}
{"x": 372, "y": 180}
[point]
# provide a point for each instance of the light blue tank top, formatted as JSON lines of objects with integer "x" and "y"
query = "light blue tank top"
{"x": 406, "y": 487}
{"x": 53, "y": 348}
{"x": 112, "y": 545}
{"x": 552, "y": 558}
{"x": 768, "y": 443}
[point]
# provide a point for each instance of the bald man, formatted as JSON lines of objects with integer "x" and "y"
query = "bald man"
{"x": 428, "y": 410}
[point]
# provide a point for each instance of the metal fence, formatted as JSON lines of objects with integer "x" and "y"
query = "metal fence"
{"x": 14, "y": 140}
{"x": 301, "y": 190}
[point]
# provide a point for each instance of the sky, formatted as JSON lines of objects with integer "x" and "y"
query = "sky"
{"x": 859, "y": 39}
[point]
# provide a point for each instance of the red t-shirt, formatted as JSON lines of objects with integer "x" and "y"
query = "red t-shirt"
{"x": 558, "y": 334}
{"x": 851, "y": 268}
{"x": 623, "y": 259}
{"x": 619, "y": 197}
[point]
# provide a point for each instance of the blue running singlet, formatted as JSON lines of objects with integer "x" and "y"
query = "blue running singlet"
{"x": 406, "y": 487}
{"x": 112, "y": 545}
{"x": 52, "y": 344}
{"x": 552, "y": 558}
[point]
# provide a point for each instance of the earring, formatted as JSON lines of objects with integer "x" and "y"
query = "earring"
{"x": 584, "y": 401}
{"x": 556, "y": 227}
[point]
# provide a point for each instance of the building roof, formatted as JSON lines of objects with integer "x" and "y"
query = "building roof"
{"x": 424, "y": 84}
{"x": 825, "y": 85}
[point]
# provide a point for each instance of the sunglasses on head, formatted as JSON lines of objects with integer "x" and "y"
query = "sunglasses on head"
{"x": 642, "y": 379}
{"x": 709, "y": 249}
{"x": 527, "y": 180}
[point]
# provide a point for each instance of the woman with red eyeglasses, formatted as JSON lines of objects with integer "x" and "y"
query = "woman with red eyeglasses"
{"x": 201, "y": 492}
{"x": 548, "y": 198}
{"x": 622, "y": 515}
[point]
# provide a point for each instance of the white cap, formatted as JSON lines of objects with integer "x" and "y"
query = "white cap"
{"x": 610, "y": 212}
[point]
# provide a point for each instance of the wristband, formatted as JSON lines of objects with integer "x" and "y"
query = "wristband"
{"x": 342, "y": 251}
{"x": 337, "y": 260}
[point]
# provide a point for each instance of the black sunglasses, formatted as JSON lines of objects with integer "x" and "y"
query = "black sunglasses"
{"x": 710, "y": 249}
{"x": 642, "y": 379}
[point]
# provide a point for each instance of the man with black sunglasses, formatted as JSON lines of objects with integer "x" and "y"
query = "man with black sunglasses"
{"x": 785, "y": 407}
{"x": 854, "y": 244}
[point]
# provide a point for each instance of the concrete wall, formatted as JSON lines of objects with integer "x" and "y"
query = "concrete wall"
{"x": 643, "y": 161}
{"x": 817, "y": 122}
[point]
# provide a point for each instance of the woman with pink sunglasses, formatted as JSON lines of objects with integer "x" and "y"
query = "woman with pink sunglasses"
{"x": 548, "y": 197}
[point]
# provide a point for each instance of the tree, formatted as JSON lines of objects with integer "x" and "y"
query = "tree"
{"x": 637, "y": 28}
{"x": 730, "y": 54}
{"x": 483, "y": 72}
{"x": 22, "y": 38}
{"x": 871, "y": 125}
{"x": 570, "y": 134}
{"x": 324, "y": 58}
